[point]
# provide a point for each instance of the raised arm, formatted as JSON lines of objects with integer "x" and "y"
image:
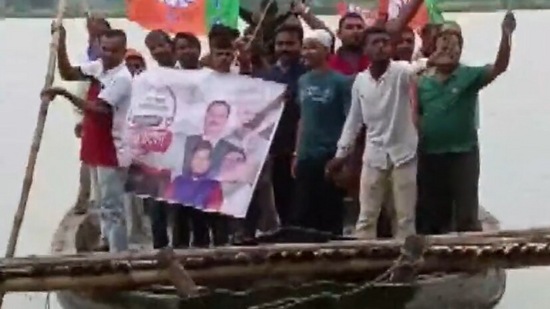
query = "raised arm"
{"x": 503, "y": 55}
{"x": 66, "y": 70}
{"x": 246, "y": 15}
{"x": 406, "y": 14}
{"x": 302, "y": 11}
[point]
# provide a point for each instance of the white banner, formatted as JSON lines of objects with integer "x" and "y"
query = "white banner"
{"x": 199, "y": 138}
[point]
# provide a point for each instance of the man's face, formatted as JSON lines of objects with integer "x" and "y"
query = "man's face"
{"x": 200, "y": 163}
{"x": 448, "y": 49}
{"x": 222, "y": 59}
{"x": 314, "y": 53}
{"x": 378, "y": 46}
{"x": 231, "y": 161}
{"x": 404, "y": 47}
{"x": 187, "y": 53}
{"x": 113, "y": 50}
{"x": 160, "y": 49}
{"x": 287, "y": 47}
{"x": 135, "y": 65}
{"x": 351, "y": 32}
{"x": 215, "y": 120}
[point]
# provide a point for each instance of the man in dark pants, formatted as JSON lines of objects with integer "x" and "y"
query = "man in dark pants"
{"x": 324, "y": 97}
{"x": 287, "y": 70}
{"x": 449, "y": 149}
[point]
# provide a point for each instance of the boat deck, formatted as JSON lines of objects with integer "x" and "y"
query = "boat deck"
{"x": 79, "y": 233}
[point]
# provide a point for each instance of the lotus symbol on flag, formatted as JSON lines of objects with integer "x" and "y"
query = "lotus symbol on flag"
{"x": 178, "y": 3}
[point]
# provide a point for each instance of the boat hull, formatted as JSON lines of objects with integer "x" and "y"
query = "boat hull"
{"x": 479, "y": 290}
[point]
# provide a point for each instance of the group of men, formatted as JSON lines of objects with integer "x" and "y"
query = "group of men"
{"x": 418, "y": 154}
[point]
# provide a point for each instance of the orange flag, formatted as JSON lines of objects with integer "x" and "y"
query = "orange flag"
{"x": 195, "y": 16}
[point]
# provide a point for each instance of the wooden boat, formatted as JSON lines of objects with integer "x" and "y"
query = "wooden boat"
{"x": 78, "y": 233}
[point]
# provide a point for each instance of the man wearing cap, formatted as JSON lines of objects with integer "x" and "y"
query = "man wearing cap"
{"x": 323, "y": 98}
{"x": 449, "y": 149}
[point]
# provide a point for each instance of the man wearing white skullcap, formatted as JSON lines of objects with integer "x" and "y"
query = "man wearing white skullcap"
{"x": 321, "y": 36}
{"x": 324, "y": 98}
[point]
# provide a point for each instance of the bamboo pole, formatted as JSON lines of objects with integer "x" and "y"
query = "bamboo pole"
{"x": 37, "y": 139}
{"x": 471, "y": 239}
{"x": 231, "y": 276}
{"x": 237, "y": 265}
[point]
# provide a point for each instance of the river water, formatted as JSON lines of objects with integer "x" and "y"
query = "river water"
{"x": 514, "y": 120}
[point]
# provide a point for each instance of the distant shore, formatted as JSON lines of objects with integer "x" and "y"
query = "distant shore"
{"x": 445, "y": 6}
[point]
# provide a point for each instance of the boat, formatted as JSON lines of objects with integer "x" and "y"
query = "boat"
{"x": 77, "y": 234}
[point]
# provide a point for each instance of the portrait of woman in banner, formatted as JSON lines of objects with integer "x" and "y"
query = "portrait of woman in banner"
{"x": 194, "y": 187}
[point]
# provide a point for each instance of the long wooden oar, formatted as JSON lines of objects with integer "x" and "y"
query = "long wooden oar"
{"x": 37, "y": 139}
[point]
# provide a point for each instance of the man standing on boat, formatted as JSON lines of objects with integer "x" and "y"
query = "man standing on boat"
{"x": 95, "y": 26}
{"x": 324, "y": 97}
{"x": 287, "y": 70}
{"x": 107, "y": 115}
{"x": 449, "y": 147}
{"x": 381, "y": 101}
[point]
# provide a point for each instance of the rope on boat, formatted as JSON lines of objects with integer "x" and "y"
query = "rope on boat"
{"x": 331, "y": 298}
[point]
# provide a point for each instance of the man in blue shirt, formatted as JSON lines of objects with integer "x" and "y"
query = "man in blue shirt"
{"x": 324, "y": 98}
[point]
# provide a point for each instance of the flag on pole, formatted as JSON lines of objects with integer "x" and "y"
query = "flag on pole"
{"x": 196, "y": 16}
{"x": 428, "y": 12}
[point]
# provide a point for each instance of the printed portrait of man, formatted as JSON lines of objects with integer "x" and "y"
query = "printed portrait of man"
{"x": 214, "y": 127}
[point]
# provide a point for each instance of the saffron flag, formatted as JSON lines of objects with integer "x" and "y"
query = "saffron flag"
{"x": 195, "y": 16}
{"x": 428, "y": 12}
{"x": 199, "y": 138}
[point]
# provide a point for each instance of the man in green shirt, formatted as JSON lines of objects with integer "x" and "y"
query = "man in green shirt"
{"x": 448, "y": 168}
{"x": 324, "y": 99}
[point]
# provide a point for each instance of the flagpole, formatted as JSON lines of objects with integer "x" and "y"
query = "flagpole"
{"x": 259, "y": 24}
{"x": 36, "y": 141}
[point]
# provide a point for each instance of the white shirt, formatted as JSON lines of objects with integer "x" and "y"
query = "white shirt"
{"x": 384, "y": 107}
{"x": 116, "y": 90}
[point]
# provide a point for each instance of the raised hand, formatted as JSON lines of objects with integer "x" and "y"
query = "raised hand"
{"x": 509, "y": 23}
{"x": 58, "y": 27}
{"x": 298, "y": 7}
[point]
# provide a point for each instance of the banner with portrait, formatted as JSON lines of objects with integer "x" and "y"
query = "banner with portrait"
{"x": 199, "y": 138}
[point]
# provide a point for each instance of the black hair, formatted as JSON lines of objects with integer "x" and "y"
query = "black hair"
{"x": 429, "y": 27}
{"x": 190, "y": 37}
{"x": 203, "y": 145}
{"x": 372, "y": 31}
{"x": 219, "y": 30}
{"x": 349, "y": 15}
{"x": 222, "y": 42}
{"x": 115, "y": 33}
{"x": 160, "y": 33}
{"x": 219, "y": 102}
{"x": 292, "y": 29}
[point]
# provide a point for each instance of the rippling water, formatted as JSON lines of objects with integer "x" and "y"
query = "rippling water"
{"x": 514, "y": 128}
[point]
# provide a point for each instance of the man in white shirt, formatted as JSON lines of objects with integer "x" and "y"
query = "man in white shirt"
{"x": 381, "y": 101}
{"x": 108, "y": 116}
